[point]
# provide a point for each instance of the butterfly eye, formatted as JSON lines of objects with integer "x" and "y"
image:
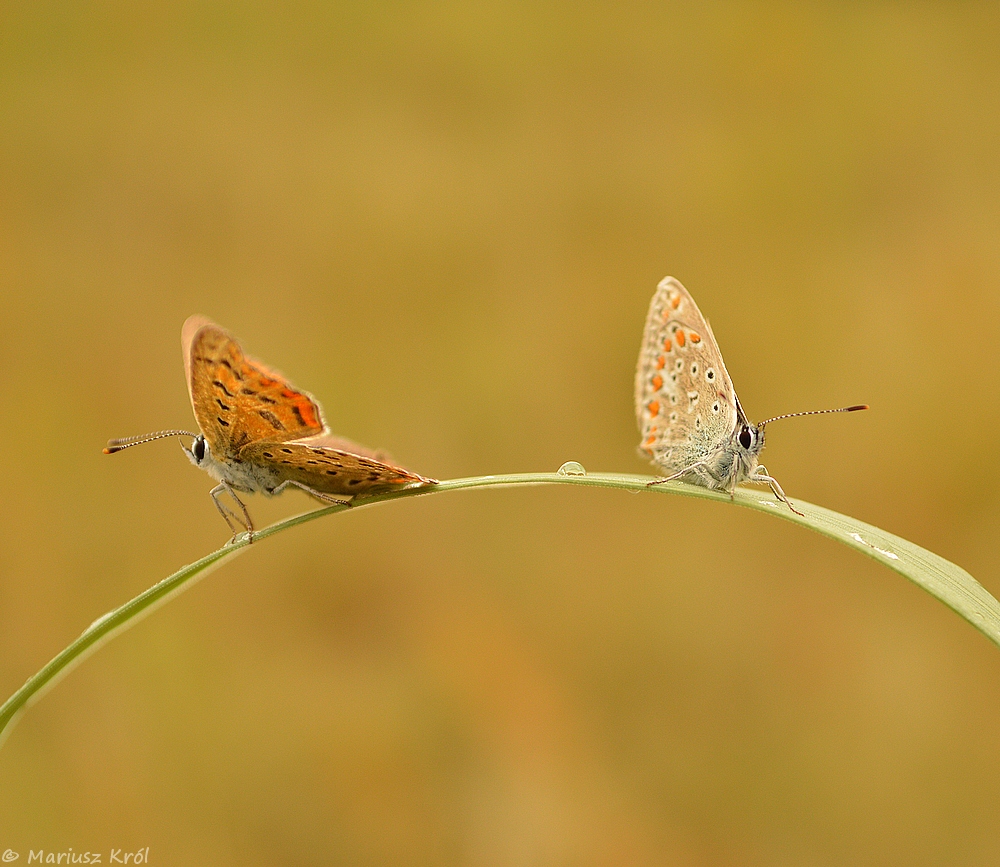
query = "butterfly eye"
{"x": 198, "y": 449}
{"x": 746, "y": 437}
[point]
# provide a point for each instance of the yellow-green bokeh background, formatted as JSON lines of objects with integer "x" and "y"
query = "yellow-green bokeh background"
{"x": 446, "y": 221}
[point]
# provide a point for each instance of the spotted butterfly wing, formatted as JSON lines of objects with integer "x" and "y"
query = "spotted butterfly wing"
{"x": 237, "y": 400}
{"x": 331, "y": 465}
{"x": 684, "y": 398}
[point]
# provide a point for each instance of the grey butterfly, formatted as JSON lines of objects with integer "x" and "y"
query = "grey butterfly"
{"x": 692, "y": 424}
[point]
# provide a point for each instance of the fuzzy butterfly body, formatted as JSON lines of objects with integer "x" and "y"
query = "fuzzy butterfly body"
{"x": 259, "y": 433}
{"x": 690, "y": 419}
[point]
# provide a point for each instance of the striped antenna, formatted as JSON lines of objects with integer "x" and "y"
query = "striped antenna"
{"x": 127, "y": 442}
{"x": 815, "y": 412}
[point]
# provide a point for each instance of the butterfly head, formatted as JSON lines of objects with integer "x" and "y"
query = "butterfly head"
{"x": 198, "y": 451}
{"x": 200, "y": 454}
{"x": 751, "y": 438}
{"x": 748, "y": 439}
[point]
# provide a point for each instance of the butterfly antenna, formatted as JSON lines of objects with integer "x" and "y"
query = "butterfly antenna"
{"x": 127, "y": 442}
{"x": 815, "y": 412}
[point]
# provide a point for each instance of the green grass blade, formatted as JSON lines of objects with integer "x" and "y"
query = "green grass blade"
{"x": 955, "y": 587}
{"x": 103, "y": 630}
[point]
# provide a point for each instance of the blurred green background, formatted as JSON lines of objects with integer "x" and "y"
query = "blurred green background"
{"x": 446, "y": 221}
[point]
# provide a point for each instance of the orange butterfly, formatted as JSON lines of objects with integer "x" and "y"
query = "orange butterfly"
{"x": 260, "y": 433}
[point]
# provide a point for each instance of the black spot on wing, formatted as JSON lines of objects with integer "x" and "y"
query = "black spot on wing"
{"x": 271, "y": 419}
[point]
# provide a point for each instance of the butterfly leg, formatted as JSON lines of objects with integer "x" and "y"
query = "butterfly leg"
{"x": 679, "y": 474}
{"x": 326, "y": 498}
{"x": 760, "y": 475}
{"x": 229, "y": 515}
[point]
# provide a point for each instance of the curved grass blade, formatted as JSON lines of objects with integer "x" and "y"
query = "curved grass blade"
{"x": 955, "y": 587}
